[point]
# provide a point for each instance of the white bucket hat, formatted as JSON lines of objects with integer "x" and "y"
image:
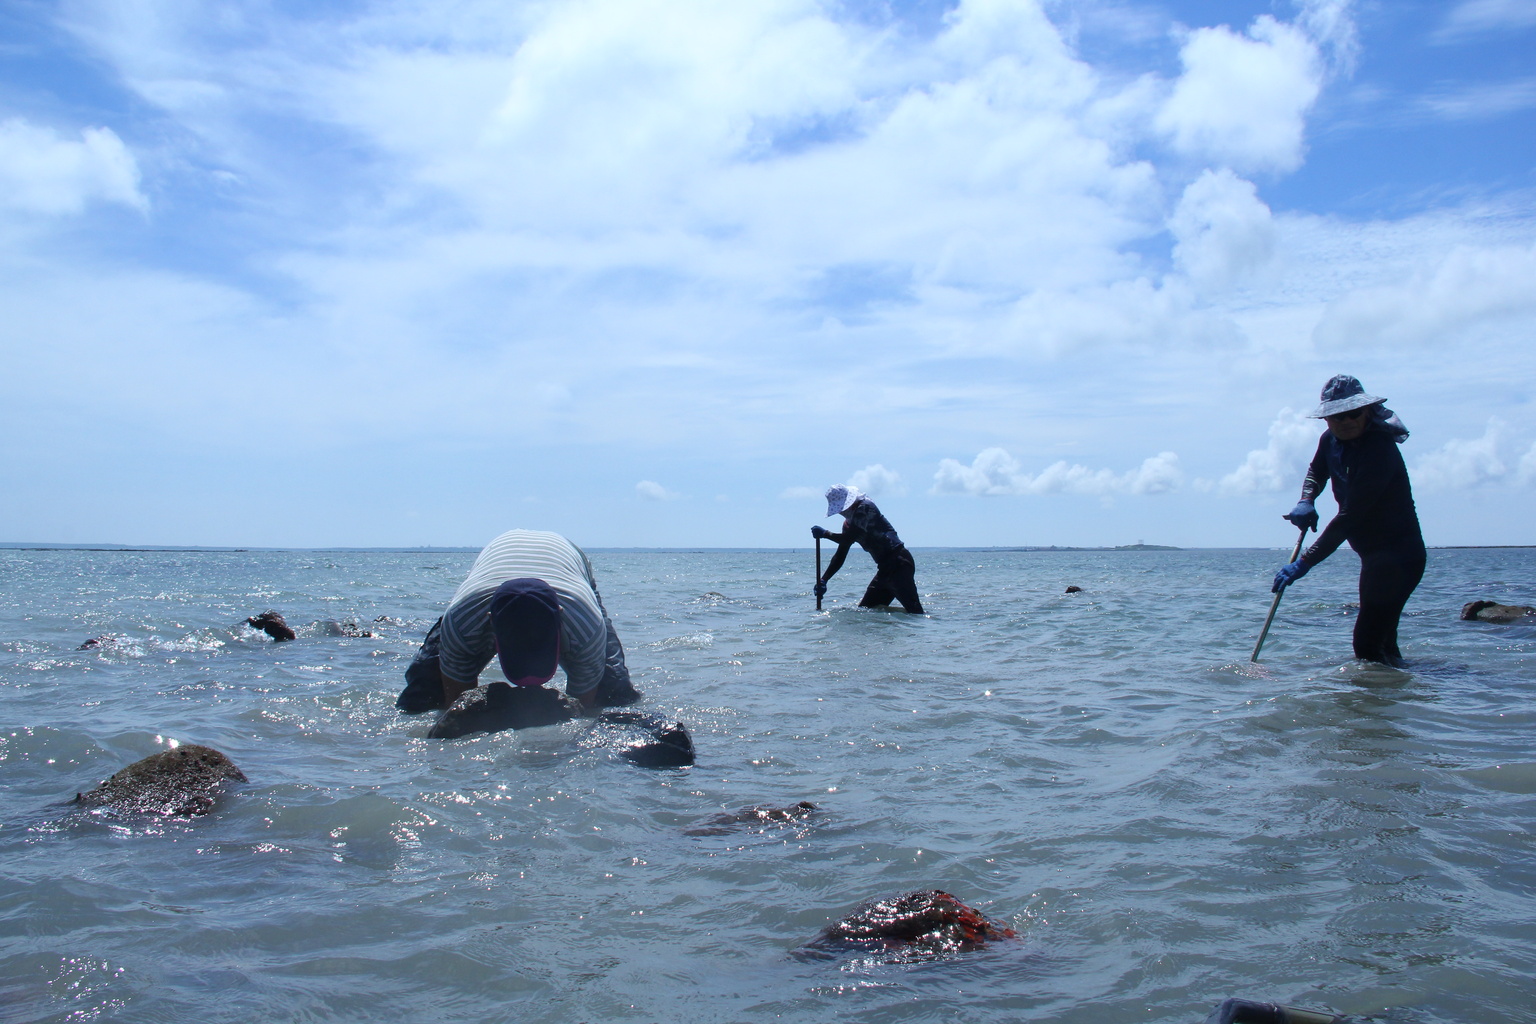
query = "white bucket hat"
{"x": 840, "y": 497}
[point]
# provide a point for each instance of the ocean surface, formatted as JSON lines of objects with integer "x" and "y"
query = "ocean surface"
{"x": 1163, "y": 823}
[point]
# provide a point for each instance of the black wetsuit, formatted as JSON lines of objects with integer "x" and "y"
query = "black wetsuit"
{"x": 895, "y": 576}
{"x": 1376, "y": 516}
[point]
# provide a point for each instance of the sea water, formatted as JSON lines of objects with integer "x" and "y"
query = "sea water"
{"x": 1164, "y": 823}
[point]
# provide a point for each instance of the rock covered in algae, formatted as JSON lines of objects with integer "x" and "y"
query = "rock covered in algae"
{"x": 926, "y": 922}
{"x": 183, "y": 781}
{"x": 1489, "y": 611}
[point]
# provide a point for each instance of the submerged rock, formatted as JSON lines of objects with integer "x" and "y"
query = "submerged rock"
{"x": 330, "y": 627}
{"x": 926, "y": 922}
{"x": 728, "y": 821}
{"x": 1245, "y": 1011}
{"x": 106, "y": 640}
{"x": 272, "y": 624}
{"x": 671, "y": 746}
{"x": 1488, "y": 611}
{"x": 183, "y": 781}
{"x": 498, "y": 706}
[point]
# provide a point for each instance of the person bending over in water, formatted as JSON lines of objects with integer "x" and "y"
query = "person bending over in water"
{"x": 530, "y": 600}
{"x": 895, "y": 575}
{"x": 1358, "y": 455}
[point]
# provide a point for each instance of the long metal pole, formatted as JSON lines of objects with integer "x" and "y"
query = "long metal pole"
{"x": 818, "y": 571}
{"x": 1275, "y": 604}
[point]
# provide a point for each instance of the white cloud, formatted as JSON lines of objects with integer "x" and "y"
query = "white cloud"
{"x": 1525, "y": 472}
{"x": 750, "y": 144}
{"x": 1481, "y": 101}
{"x": 597, "y": 231}
{"x": 1134, "y": 314}
{"x": 650, "y": 490}
{"x": 995, "y": 472}
{"x": 1475, "y": 16}
{"x": 616, "y": 111}
{"x": 1331, "y": 24}
{"x": 1224, "y": 230}
{"x": 1458, "y": 464}
{"x": 876, "y": 480}
{"x": 1242, "y": 100}
{"x": 1470, "y": 286}
{"x": 42, "y": 171}
{"x": 1282, "y": 464}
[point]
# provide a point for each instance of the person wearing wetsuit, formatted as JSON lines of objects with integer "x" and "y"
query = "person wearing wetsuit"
{"x": 895, "y": 575}
{"x": 1359, "y": 456}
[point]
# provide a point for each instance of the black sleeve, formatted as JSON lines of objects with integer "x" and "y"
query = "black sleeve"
{"x": 844, "y": 542}
{"x": 1334, "y": 534}
{"x": 1317, "y": 473}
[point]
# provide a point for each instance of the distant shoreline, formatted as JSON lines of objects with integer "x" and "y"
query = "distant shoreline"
{"x": 431, "y": 549}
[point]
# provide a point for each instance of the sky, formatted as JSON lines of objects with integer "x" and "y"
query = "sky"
{"x": 309, "y": 273}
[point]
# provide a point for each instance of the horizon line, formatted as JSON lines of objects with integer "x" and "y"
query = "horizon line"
{"x": 430, "y": 548}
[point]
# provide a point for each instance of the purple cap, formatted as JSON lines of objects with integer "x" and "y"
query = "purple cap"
{"x": 525, "y": 617}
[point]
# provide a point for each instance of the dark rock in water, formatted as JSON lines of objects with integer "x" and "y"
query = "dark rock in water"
{"x": 728, "y": 821}
{"x": 1074, "y": 589}
{"x": 498, "y": 706}
{"x": 1488, "y": 611}
{"x": 183, "y": 781}
{"x": 330, "y": 627}
{"x": 672, "y": 748}
{"x": 1244, "y": 1011}
{"x": 96, "y": 643}
{"x": 272, "y": 624}
{"x": 925, "y": 922}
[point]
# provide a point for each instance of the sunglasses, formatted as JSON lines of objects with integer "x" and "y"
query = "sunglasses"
{"x": 1352, "y": 415}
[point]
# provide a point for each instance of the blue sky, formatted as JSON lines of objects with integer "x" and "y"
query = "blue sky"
{"x": 657, "y": 272}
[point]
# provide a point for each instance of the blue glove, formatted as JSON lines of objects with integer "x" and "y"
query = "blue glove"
{"x": 818, "y": 532}
{"x": 821, "y": 588}
{"x": 1303, "y": 515}
{"x": 1289, "y": 574}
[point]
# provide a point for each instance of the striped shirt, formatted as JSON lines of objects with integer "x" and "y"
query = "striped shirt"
{"x": 588, "y": 644}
